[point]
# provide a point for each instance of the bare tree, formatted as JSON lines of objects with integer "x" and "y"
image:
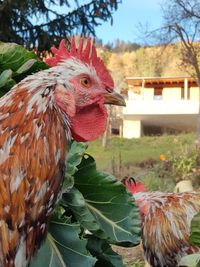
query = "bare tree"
{"x": 181, "y": 23}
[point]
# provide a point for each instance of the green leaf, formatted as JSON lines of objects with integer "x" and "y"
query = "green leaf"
{"x": 13, "y": 56}
{"x": 6, "y": 81}
{"x": 107, "y": 200}
{"x": 195, "y": 231}
{"x": 76, "y": 202}
{"x": 63, "y": 248}
{"x": 70, "y": 245}
{"x": 9, "y": 84}
{"x": 74, "y": 157}
{"x": 192, "y": 260}
{"x": 104, "y": 253}
{"x": 26, "y": 66}
{"x": 15, "y": 64}
{"x": 4, "y": 77}
{"x": 48, "y": 255}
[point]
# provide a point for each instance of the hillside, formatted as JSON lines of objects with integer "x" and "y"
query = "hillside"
{"x": 143, "y": 61}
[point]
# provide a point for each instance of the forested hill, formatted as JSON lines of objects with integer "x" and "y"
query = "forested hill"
{"x": 143, "y": 61}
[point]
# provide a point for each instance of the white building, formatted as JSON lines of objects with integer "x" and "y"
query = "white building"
{"x": 160, "y": 104}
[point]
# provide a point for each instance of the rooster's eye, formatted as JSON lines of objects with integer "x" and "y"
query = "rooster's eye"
{"x": 85, "y": 82}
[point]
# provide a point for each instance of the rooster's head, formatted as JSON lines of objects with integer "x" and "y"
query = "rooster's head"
{"x": 86, "y": 86}
{"x": 133, "y": 186}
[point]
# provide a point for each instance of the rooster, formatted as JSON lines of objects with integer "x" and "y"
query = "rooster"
{"x": 37, "y": 119}
{"x": 166, "y": 220}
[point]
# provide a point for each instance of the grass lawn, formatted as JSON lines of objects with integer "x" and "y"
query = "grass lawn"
{"x": 134, "y": 151}
{"x": 136, "y": 157}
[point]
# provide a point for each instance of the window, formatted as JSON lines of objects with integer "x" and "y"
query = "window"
{"x": 158, "y": 94}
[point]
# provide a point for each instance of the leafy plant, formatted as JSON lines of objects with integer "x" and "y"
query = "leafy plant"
{"x": 91, "y": 214}
{"x": 15, "y": 64}
{"x": 95, "y": 210}
{"x": 183, "y": 163}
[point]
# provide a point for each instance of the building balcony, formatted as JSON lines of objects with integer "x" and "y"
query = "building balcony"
{"x": 161, "y": 107}
{"x": 168, "y": 104}
{"x": 171, "y": 116}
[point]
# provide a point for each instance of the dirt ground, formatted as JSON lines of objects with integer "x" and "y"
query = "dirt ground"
{"x": 132, "y": 257}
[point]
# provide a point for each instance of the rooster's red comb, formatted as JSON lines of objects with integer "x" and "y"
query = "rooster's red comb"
{"x": 132, "y": 186}
{"x": 87, "y": 55}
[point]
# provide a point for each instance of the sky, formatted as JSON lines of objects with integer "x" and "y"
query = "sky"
{"x": 126, "y": 20}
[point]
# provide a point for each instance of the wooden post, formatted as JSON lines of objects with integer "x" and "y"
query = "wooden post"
{"x": 108, "y": 128}
{"x": 185, "y": 89}
{"x": 142, "y": 89}
{"x": 121, "y": 130}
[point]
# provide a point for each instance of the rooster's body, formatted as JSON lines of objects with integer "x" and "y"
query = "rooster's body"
{"x": 37, "y": 118}
{"x": 166, "y": 220}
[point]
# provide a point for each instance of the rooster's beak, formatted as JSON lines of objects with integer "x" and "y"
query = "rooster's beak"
{"x": 114, "y": 98}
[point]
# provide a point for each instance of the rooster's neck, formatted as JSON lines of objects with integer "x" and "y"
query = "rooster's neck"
{"x": 32, "y": 103}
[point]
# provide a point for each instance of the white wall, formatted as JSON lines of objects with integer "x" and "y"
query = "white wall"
{"x": 194, "y": 93}
{"x": 148, "y": 94}
{"x": 171, "y": 94}
{"x": 132, "y": 129}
